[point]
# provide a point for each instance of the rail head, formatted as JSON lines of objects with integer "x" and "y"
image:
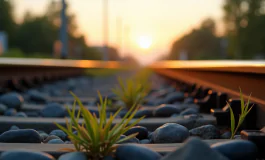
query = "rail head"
{"x": 34, "y": 62}
{"x": 239, "y": 66}
{"x": 202, "y": 65}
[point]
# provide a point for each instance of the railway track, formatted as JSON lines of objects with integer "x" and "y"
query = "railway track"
{"x": 194, "y": 93}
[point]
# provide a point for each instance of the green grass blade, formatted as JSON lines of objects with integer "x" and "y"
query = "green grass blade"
{"x": 121, "y": 84}
{"x": 104, "y": 114}
{"x": 127, "y": 137}
{"x": 118, "y": 125}
{"x": 247, "y": 105}
{"x": 232, "y": 117}
{"x": 108, "y": 125}
{"x": 135, "y": 122}
{"x": 101, "y": 109}
{"x": 135, "y": 109}
{"x": 68, "y": 132}
{"x": 88, "y": 117}
{"x": 249, "y": 110}
{"x": 242, "y": 101}
{"x": 90, "y": 124}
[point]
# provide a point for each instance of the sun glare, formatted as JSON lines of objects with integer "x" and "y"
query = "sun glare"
{"x": 144, "y": 42}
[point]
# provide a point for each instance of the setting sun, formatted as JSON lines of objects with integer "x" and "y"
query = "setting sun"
{"x": 144, "y": 42}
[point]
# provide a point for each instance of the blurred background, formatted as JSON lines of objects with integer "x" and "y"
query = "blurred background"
{"x": 139, "y": 31}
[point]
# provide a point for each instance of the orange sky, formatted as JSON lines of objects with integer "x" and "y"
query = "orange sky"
{"x": 160, "y": 20}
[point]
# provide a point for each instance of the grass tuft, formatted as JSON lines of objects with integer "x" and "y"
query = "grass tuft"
{"x": 244, "y": 111}
{"x": 96, "y": 136}
{"x": 132, "y": 91}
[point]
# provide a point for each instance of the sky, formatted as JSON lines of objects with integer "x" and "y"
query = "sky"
{"x": 147, "y": 27}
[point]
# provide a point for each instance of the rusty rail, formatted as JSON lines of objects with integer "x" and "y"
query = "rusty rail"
{"x": 15, "y": 71}
{"x": 221, "y": 76}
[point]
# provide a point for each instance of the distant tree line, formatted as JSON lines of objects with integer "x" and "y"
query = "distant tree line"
{"x": 199, "y": 43}
{"x": 244, "y": 36}
{"x": 38, "y": 34}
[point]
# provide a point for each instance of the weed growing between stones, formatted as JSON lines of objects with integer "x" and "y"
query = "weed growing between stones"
{"x": 132, "y": 91}
{"x": 96, "y": 136}
{"x": 244, "y": 111}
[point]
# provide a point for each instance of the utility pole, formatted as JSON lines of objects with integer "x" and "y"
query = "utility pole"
{"x": 119, "y": 34}
{"x": 63, "y": 32}
{"x": 127, "y": 31}
{"x": 105, "y": 28}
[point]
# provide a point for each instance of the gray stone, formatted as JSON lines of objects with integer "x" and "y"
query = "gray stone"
{"x": 25, "y": 155}
{"x": 12, "y": 100}
{"x": 156, "y": 102}
{"x": 50, "y": 138}
{"x": 237, "y": 149}
{"x": 182, "y": 106}
{"x": 170, "y": 133}
{"x": 170, "y": 89}
{"x": 68, "y": 142}
{"x": 188, "y": 100}
{"x": 142, "y": 132}
{"x": 55, "y": 93}
{"x": 192, "y": 116}
{"x": 177, "y": 103}
{"x": 226, "y": 135}
{"x": 14, "y": 128}
{"x": 174, "y": 96}
{"x": 59, "y": 133}
{"x": 206, "y": 132}
{"x": 132, "y": 140}
{"x": 3, "y": 109}
{"x": 36, "y": 96}
{"x": 189, "y": 111}
{"x": 201, "y": 122}
{"x": 53, "y": 110}
{"x": 55, "y": 141}
{"x": 195, "y": 106}
{"x": 41, "y": 131}
{"x": 144, "y": 112}
{"x": 175, "y": 115}
{"x": 21, "y": 114}
{"x": 150, "y": 134}
{"x": 20, "y": 136}
{"x": 43, "y": 136}
{"x": 194, "y": 149}
{"x": 188, "y": 123}
{"x": 71, "y": 84}
{"x": 32, "y": 114}
{"x": 10, "y": 112}
{"x": 73, "y": 156}
{"x": 145, "y": 141}
{"x": 166, "y": 110}
{"x": 237, "y": 137}
{"x": 135, "y": 152}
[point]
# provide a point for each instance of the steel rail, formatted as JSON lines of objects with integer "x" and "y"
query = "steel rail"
{"x": 33, "y": 62}
{"x": 214, "y": 65}
{"x": 221, "y": 76}
{"x": 14, "y": 71}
